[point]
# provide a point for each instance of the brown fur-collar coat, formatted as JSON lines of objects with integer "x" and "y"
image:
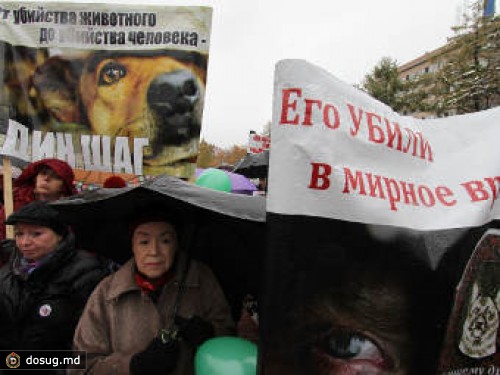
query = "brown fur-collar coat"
{"x": 120, "y": 320}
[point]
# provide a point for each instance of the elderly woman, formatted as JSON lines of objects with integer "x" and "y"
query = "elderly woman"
{"x": 150, "y": 316}
{"x": 44, "y": 287}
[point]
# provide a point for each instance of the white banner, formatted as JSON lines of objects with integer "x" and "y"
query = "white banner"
{"x": 109, "y": 26}
{"x": 339, "y": 153}
{"x": 258, "y": 143}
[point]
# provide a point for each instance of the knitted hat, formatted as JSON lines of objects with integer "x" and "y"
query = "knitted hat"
{"x": 38, "y": 213}
{"x": 60, "y": 167}
{"x": 114, "y": 182}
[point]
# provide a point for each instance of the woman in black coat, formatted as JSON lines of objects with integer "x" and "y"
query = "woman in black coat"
{"x": 44, "y": 287}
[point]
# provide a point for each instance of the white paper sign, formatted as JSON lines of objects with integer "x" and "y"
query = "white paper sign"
{"x": 341, "y": 154}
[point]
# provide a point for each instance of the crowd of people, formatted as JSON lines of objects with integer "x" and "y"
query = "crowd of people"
{"x": 147, "y": 317}
{"x": 150, "y": 314}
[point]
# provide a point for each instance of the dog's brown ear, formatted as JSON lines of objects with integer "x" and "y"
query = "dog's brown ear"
{"x": 55, "y": 85}
{"x": 18, "y": 66}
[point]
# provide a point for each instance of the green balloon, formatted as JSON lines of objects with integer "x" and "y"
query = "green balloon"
{"x": 226, "y": 356}
{"x": 214, "y": 178}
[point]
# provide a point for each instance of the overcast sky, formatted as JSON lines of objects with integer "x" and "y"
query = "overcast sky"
{"x": 347, "y": 38}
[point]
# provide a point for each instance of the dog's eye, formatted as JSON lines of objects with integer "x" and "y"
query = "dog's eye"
{"x": 111, "y": 73}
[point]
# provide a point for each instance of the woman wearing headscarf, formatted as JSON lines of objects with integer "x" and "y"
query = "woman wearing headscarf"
{"x": 45, "y": 285}
{"x": 44, "y": 180}
{"x": 151, "y": 315}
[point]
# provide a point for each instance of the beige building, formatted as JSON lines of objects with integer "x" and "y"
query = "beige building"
{"x": 429, "y": 62}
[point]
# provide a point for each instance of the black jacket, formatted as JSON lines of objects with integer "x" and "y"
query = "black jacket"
{"x": 40, "y": 311}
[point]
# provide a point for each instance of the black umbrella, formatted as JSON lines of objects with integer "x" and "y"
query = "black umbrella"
{"x": 253, "y": 165}
{"x": 227, "y": 231}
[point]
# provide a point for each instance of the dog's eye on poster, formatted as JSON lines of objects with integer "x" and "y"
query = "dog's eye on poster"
{"x": 112, "y": 72}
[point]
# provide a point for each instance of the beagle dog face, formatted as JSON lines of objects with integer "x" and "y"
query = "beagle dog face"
{"x": 156, "y": 95}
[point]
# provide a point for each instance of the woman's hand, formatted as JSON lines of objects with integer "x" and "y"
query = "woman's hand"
{"x": 194, "y": 330}
{"x": 157, "y": 358}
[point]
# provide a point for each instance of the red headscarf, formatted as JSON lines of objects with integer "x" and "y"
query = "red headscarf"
{"x": 61, "y": 168}
{"x": 25, "y": 185}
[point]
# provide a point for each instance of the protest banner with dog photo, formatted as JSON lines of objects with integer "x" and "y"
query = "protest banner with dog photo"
{"x": 372, "y": 218}
{"x": 107, "y": 87}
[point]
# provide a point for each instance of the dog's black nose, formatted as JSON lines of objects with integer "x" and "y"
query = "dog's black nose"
{"x": 173, "y": 93}
{"x": 173, "y": 105}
